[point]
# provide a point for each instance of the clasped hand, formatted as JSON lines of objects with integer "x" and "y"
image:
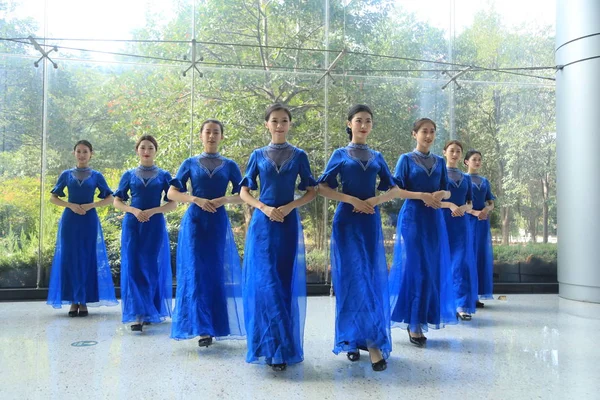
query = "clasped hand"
{"x": 364, "y": 206}
{"x": 277, "y": 214}
{"x": 143, "y": 216}
{"x": 81, "y": 209}
{"x": 458, "y": 211}
{"x": 209, "y": 205}
{"x": 433, "y": 200}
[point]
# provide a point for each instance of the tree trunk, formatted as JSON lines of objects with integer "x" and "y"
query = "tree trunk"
{"x": 545, "y": 208}
{"x": 505, "y": 225}
{"x": 533, "y": 228}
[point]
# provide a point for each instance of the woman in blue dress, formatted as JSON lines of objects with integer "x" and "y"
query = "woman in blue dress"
{"x": 146, "y": 277}
{"x": 421, "y": 288}
{"x": 274, "y": 265}
{"x": 460, "y": 236}
{"x": 208, "y": 301}
{"x": 359, "y": 267}
{"x": 80, "y": 273}
{"x": 483, "y": 204}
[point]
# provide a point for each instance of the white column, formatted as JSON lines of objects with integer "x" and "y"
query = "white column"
{"x": 578, "y": 148}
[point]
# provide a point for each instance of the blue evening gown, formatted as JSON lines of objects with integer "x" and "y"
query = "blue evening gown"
{"x": 460, "y": 236}
{"x": 421, "y": 285}
{"x": 274, "y": 271}
{"x": 482, "y": 238}
{"x": 146, "y": 276}
{"x": 358, "y": 263}
{"x": 80, "y": 271}
{"x": 209, "y": 276}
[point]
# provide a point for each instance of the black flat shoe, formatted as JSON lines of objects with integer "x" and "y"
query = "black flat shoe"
{"x": 380, "y": 365}
{"x": 353, "y": 356}
{"x": 414, "y": 340}
{"x": 279, "y": 367}
{"x": 83, "y": 313}
{"x": 136, "y": 327}
{"x": 205, "y": 342}
{"x": 479, "y": 304}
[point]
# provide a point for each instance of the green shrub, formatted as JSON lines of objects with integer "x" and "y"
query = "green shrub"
{"x": 512, "y": 254}
{"x": 316, "y": 259}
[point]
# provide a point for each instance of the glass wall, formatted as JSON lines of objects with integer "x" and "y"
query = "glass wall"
{"x": 134, "y": 75}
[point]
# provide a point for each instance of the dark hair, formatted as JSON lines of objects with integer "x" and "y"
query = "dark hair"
{"x": 355, "y": 109}
{"x": 213, "y": 121}
{"x": 422, "y": 121}
{"x": 85, "y": 143}
{"x": 277, "y": 107}
{"x": 149, "y": 138}
{"x": 456, "y": 142}
{"x": 470, "y": 154}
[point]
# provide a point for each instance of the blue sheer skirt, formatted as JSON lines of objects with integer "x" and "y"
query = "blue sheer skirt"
{"x": 146, "y": 276}
{"x": 421, "y": 283}
{"x": 209, "y": 278}
{"x": 80, "y": 270}
{"x": 360, "y": 281}
{"x": 462, "y": 256}
{"x": 484, "y": 256}
{"x": 274, "y": 277}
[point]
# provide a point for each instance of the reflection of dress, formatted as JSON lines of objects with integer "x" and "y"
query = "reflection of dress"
{"x": 359, "y": 267}
{"x": 146, "y": 277}
{"x": 484, "y": 254}
{"x": 460, "y": 236}
{"x": 421, "y": 286}
{"x": 209, "y": 276}
{"x": 80, "y": 270}
{"x": 274, "y": 258}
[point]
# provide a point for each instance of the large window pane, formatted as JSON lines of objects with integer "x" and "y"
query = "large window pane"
{"x": 20, "y": 170}
{"x": 116, "y": 83}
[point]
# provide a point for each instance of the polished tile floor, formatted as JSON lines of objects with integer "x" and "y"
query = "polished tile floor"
{"x": 524, "y": 347}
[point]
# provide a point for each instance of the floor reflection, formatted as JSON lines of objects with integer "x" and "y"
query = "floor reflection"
{"x": 529, "y": 346}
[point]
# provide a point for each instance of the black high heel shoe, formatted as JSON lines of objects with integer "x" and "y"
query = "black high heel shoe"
{"x": 353, "y": 356}
{"x": 379, "y": 366}
{"x": 419, "y": 341}
{"x": 136, "y": 327}
{"x": 205, "y": 342}
{"x": 73, "y": 313}
{"x": 279, "y": 367}
{"x": 83, "y": 313}
{"x": 479, "y": 304}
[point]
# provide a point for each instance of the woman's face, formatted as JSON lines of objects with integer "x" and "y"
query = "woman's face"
{"x": 278, "y": 124}
{"x": 361, "y": 125}
{"x": 211, "y": 136}
{"x": 425, "y": 136}
{"x": 83, "y": 155}
{"x": 453, "y": 154}
{"x": 146, "y": 152}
